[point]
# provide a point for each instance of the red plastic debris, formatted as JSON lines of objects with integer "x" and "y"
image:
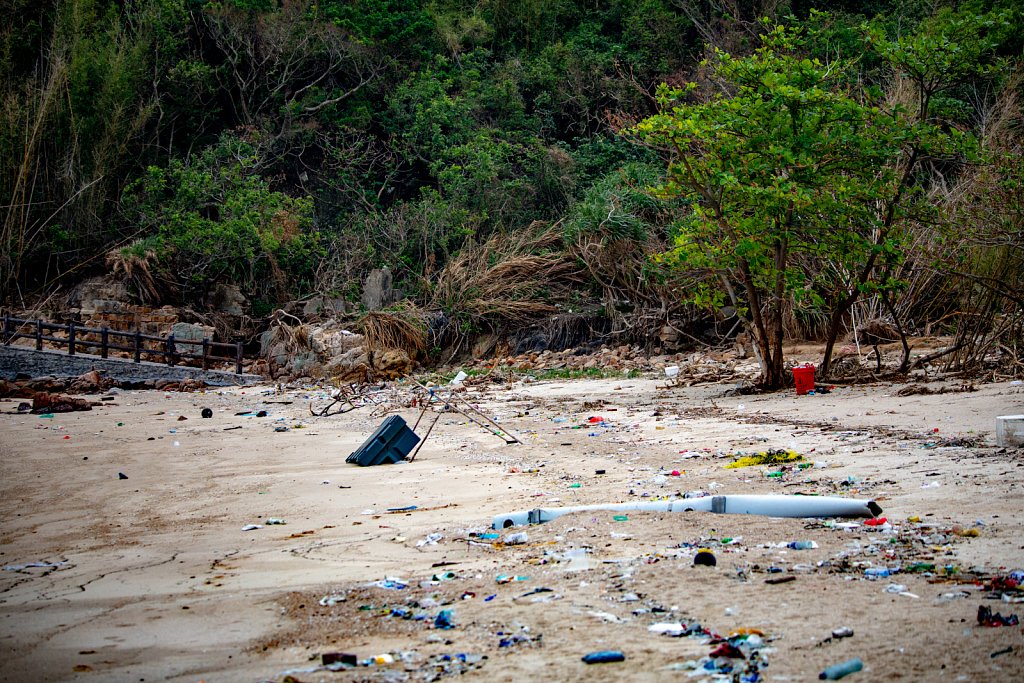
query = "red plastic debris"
{"x": 986, "y": 617}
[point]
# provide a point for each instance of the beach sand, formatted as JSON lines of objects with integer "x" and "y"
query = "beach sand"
{"x": 152, "y": 578}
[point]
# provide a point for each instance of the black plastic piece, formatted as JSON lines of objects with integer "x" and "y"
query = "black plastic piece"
{"x": 392, "y": 441}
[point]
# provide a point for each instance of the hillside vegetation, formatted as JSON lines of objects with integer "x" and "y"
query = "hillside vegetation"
{"x": 635, "y": 168}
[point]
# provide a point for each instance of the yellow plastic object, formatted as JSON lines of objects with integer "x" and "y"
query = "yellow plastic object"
{"x": 766, "y": 458}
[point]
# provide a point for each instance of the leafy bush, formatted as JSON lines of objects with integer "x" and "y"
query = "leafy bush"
{"x": 214, "y": 218}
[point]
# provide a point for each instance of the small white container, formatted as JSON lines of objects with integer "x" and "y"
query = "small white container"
{"x": 1010, "y": 431}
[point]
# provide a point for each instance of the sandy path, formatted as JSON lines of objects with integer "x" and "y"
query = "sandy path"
{"x": 152, "y": 577}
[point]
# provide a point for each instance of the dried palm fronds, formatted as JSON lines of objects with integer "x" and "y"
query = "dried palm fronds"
{"x": 403, "y": 329}
{"x": 134, "y": 263}
{"x": 511, "y": 279}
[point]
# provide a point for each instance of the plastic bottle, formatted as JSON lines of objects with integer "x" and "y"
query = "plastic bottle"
{"x": 604, "y": 656}
{"x": 877, "y": 572}
{"x": 837, "y": 671}
{"x": 802, "y": 545}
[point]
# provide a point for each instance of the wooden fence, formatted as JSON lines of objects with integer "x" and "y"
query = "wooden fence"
{"x": 75, "y": 337}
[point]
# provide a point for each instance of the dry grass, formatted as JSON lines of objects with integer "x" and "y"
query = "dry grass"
{"x": 399, "y": 329}
{"x": 509, "y": 280}
{"x": 133, "y": 263}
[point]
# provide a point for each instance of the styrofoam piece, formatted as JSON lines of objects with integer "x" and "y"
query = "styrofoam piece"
{"x": 766, "y": 505}
{"x": 1010, "y": 431}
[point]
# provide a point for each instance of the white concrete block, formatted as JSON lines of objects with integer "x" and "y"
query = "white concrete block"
{"x": 1010, "y": 431}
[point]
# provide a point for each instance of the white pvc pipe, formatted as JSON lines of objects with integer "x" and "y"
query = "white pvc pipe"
{"x": 767, "y": 505}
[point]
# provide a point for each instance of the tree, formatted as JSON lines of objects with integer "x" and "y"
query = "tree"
{"x": 784, "y": 168}
{"x": 946, "y": 51}
{"x": 212, "y": 218}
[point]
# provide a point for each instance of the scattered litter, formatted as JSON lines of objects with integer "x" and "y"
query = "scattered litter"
{"x": 509, "y": 578}
{"x": 780, "y": 579}
{"x": 705, "y": 558}
{"x": 771, "y": 457}
{"x": 604, "y": 657}
{"x": 444, "y": 620}
{"x": 516, "y": 539}
{"x": 986, "y": 617}
{"x": 837, "y": 671}
{"x": 431, "y": 539}
{"x": 332, "y": 600}
{"x": 33, "y": 565}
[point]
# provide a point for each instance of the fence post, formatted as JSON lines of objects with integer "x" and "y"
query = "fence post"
{"x": 71, "y": 338}
{"x": 138, "y": 346}
{"x": 39, "y": 334}
{"x": 238, "y": 358}
{"x": 206, "y": 353}
{"x": 104, "y": 336}
{"x": 170, "y": 349}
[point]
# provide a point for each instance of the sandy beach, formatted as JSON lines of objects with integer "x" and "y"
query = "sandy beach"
{"x": 125, "y": 559}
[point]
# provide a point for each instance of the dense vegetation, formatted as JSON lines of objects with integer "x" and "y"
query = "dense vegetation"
{"x": 651, "y": 163}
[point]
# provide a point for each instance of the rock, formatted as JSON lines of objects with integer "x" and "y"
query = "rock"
{"x": 190, "y": 385}
{"x": 44, "y": 402}
{"x": 352, "y": 366}
{"x": 377, "y": 290}
{"x": 332, "y": 343}
{"x": 391, "y": 363}
{"x": 8, "y": 389}
{"x": 91, "y": 382}
{"x": 324, "y": 307}
{"x": 101, "y": 293}
{"x": 227, "y": 299}
{"x": 188, "y": 337}
{"x": 47, "y": 384}
{"x": 302, "y": 364}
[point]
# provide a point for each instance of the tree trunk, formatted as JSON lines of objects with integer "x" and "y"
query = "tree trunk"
{"x": 905, "y": 363}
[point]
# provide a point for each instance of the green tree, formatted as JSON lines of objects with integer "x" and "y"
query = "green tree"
{"x": 786, "y": 168}
{"x": 212, "y": 218}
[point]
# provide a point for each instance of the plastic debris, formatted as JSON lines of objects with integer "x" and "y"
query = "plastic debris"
{"x": 837, "y": 671}
{"x": 770, "y": 457}
{"x": 604, "y": 657}
{"x": 986, "y": 617}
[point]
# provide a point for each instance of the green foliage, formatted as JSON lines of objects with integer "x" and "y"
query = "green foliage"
{"x": 215, "y": 219}
{"x": 787, "y": 168}
{"x": 619, "y": 206}
{"x": 403, "y": 24}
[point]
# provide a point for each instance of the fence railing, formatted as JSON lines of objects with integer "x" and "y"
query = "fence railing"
{"x": 75, "y": 337}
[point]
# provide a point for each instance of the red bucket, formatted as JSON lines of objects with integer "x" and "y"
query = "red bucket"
{"x": 804, "y": 377}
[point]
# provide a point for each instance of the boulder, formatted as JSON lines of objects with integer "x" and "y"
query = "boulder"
{"x": 324, "y": 307}
{"x": 91, "y": 382}
{"x": 227, "y": 299}
{"x": 44, "y": 402}
{"x": 101, "y": 293}
{"x": 351, "y": 366}
{"x": 391, "y": 363}
{"x": 46, "y": 384}
{"x": 331, "y": 343}
{"x": 191, "y": 335}
{"x": 8, "y": 389}
{"x": 377, "y": 290}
